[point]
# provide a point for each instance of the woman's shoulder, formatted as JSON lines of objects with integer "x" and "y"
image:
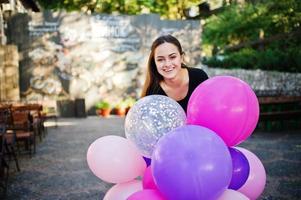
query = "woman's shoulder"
{"x": 198, "y": 73}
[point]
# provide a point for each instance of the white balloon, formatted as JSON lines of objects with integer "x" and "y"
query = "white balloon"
{"x": 151, "y": 118}
{"x": 115, "y": 159}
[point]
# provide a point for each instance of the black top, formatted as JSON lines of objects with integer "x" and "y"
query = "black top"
{"x": 196, "y": 76}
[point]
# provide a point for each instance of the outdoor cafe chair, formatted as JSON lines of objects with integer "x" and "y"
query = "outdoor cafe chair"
{"x": 24, "y": 129}
{"x": 9, "y": 137}
{"x": 4, "y": 167}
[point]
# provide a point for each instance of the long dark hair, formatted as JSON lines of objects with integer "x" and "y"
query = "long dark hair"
{"x": 153, "y": 77}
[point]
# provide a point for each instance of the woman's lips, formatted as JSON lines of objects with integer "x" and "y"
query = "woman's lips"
{"x": 168, "y": 70}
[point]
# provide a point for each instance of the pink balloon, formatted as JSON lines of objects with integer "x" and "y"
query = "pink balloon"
{"x": 122, "y": 191}
{"x": 255, "y": 183}
{"x": 148, "y": 180}
{"x": 115, "y": 159}
{"x": 226, "y": 105}
{"x": 232, "y": 195}
{"x": 146, "y": 195}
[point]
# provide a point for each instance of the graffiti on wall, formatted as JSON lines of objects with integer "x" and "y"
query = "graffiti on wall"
{"x": 40, "y": 28}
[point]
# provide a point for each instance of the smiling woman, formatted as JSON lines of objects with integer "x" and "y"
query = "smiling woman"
{"x": 168, "y": 75}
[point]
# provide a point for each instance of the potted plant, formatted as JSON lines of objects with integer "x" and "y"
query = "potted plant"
{"x": 120, "y": 108}
{"x": 103, "y": 108}
{"x": 130, "y": 101}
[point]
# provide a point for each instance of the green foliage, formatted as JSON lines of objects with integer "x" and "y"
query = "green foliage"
{"x": 121, "y": 105}
{"x": 230, "y": 26}
{"x": 172, "y": 9}
{"x": 102, "y": 105}
{"x": 126, "y": 103}
{"x": 269, "y": 59}
{"x": 248, "y": 23}
{"x": 130, "y": 101}
{"x": 244, "y": 22}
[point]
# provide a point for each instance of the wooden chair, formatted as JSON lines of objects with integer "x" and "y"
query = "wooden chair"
{"x": 4, "y": 166}
{"x": 24, "y": 128}
{"x": 9, "y": 137}
{"x": 6, "y": 151}
{"x": 36, "y": 118}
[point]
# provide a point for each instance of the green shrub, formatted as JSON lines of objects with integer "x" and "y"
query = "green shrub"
{"x": 102, "y": 105}
{"x": 268, "y": 59}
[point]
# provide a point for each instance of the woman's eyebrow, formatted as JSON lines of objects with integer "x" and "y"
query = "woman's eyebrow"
{"x": 168, "y": 55}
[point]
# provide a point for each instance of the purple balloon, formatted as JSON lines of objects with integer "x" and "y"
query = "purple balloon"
{"x": 148, "y": 161}
{"x": 241, "y": 169}
{"x": 191, "y": 162}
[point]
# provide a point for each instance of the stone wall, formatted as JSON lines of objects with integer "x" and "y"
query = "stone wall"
{"x": 9, "y": 73}
{"x": 68, "y": 56}
{"x": 264, "y": 83}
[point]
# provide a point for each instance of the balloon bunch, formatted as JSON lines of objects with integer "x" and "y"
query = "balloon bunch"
{"x": 229, "y": 107}
{"x": 191, "y": 157}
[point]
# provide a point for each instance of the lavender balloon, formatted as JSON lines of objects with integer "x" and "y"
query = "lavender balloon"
{"x": 241, "y": 169}
{"x": 151, "y": 118}
{"x": 191, "y": 162}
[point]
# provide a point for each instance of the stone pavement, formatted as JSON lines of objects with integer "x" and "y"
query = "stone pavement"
{"x": 59, "y": 171}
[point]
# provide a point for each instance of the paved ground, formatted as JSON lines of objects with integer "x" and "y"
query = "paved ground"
{"x": 59, "y": 169}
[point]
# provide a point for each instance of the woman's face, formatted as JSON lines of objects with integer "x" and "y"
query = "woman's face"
{"x": 168, "y": 60}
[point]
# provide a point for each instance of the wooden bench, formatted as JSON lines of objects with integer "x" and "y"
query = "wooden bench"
{"x": 280, "y": 110}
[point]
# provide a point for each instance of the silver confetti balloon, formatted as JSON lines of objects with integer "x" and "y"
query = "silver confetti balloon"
{"x": 151, "y": 118}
